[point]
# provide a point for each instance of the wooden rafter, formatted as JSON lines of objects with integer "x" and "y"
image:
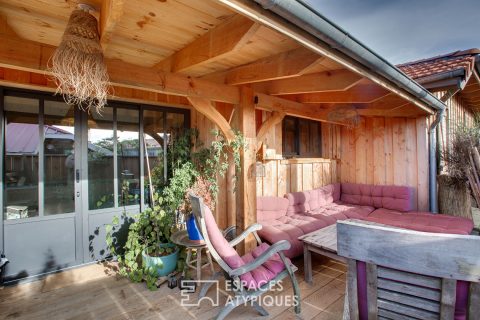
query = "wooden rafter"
{"x": 325, "y": 81}
{"x": 18, "y": 53}
{"x": 283, "y": 65}
{"x": 215, "y": 44}
{"x": 360, "y": 93}
{"x": 274, "y": 119}
{"x": 110, "y": 13}
{"x": 292, "y": 108}
{"x": 205, "y": 107}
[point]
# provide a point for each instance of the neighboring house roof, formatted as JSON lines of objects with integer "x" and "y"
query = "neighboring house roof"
{"x": 459, "y": 70}
{"x": 451, "y": 65}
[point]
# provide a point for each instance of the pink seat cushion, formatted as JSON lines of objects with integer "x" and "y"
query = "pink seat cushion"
{"x": 264, "y": 273}
{"x": 323, "y": 196}
{"x": 256, "y": 277}
{"x": 270, "y": 208}
{"x": 422, "y": 221}
{"x": 342, "y": 211}
{"x": 290, "y": 228}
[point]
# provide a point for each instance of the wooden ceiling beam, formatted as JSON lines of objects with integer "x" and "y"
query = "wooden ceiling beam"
{"x": 110, "y": 13}
{"x": 292, "y": 108}
{"x": 22, "y": 54}
{"x": 225, "y": 38}
{"x": 283, "y": 65}
{"x": 317, "y": 82}
{"x": 360, "y": 93}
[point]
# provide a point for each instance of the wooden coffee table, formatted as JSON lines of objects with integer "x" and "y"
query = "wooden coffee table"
{"x": 324, "y": 242}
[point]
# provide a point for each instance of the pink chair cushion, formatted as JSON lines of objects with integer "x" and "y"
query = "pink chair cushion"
{"x": 270, "y": 208}
{"x": 389, "y": 197}
{"x": 257, "y": 277}
{"x": 422, "y": 221}
{"x": 298, "y": 202}
{"x": 264, "y": 273}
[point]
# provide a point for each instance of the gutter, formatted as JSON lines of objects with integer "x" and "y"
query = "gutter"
{"x": 304, "y": 16}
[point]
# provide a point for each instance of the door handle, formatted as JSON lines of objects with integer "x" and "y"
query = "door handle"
{"x": 77, "y": 175}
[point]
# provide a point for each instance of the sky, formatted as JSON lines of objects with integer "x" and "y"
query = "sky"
{"x": 407, "y": 30}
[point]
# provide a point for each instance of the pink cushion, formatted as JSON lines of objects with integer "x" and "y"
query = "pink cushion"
{"x": 398, "y": 198}
{"x": 342, "y": 211}
{"x": 422, "y": 221}
{"x": 298, "y": 202}
{"x": 323, "y": 196}
{"x": 256, "y": 277}
{"x": 264, "y": 273}
{"x": 270, "y": 208}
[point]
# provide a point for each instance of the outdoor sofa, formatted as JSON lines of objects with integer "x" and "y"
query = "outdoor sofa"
{"x": 298, "y": 213}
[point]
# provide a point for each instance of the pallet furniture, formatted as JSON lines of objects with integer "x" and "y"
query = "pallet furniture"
{"x": 402, "y": 274}
{"x": 324, "y": 242}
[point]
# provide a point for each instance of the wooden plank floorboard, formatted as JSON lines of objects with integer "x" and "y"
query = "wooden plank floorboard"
{"x": 91, "y": 293}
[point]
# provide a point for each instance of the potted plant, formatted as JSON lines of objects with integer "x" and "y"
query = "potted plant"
{"x": 147, "y": 253}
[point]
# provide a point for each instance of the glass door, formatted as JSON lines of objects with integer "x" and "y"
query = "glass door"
{"x": 42, "y": 220}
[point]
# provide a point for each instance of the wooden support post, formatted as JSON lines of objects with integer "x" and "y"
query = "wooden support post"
{"x": 246, "y": 189}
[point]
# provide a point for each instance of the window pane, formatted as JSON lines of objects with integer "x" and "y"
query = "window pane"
{"x": 100, "y": 160}
{"x": 59, "y": 158}
{"x": 175, "y": 127}
{"x": 128, "y": 157}
{"x": 289, "y": 137}
{"x": 21, "y": 158}
{"x": 153, "y": 134}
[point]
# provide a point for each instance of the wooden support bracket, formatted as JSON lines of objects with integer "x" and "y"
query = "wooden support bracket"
{"x": 205, "y": 107}
{"x": 275, "y": 119}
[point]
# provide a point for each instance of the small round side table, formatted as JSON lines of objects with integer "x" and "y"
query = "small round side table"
{"x": 181, "y": 238}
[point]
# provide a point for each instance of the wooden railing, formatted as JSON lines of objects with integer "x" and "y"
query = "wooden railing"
{"x": 283, "y": 176}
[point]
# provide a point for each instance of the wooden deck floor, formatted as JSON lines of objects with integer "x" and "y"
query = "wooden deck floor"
{"x": 91, "y": 293}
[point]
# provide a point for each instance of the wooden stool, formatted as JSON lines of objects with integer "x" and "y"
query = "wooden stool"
{"x": 197, "y": 263}
{"x": 181, "y": 238}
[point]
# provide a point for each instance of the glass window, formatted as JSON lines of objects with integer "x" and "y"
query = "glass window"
{"x": 301, "y": 138}
{"x": 59, "y": 163}
{"x": 22, "y": 141}
{"x": 154, "y": 142}
{"x": 100, "y": 160}
{"x": 128, "y": 156}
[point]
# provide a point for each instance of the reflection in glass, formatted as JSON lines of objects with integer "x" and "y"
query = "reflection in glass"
{"x": 100, "y": 160}
{"x": 21, "y": 158}
{"x": 128, "y": 156}
{"x": 153, "y": 140}
{"x": 59, "y": 157}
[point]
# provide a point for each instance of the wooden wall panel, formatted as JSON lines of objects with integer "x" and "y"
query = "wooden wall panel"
{"x": 283, "y": 176}
{"x": 387, "y": 151}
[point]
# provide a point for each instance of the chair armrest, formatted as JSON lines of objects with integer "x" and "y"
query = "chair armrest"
{"x": 230, "y": 233}
{"x": 253, "y": 228}
{"x": 267, "y": 254}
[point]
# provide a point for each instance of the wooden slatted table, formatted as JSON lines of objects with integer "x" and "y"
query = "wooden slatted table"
{"x": 324, "y": 242}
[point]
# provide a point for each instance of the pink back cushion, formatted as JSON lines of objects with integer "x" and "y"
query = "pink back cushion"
{"x": 271, "y": 208}
{"x": 298, "y": 202}
{"x": 323, "y": 196}
{"x": 398, "y": 198}
{"x": 221, "y": 245}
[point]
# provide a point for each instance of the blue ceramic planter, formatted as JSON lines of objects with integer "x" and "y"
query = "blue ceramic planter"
{"x": 165, "y": 264}
{"x": 192, "y": 229}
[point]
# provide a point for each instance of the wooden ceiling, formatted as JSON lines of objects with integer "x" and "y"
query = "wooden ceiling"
{"x": 202, "y": 40}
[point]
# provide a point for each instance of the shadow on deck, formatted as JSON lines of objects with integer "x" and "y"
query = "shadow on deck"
{"x": 91, "y": 293}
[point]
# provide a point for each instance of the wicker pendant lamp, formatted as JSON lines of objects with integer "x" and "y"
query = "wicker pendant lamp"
{"x": 78, "y": 65}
